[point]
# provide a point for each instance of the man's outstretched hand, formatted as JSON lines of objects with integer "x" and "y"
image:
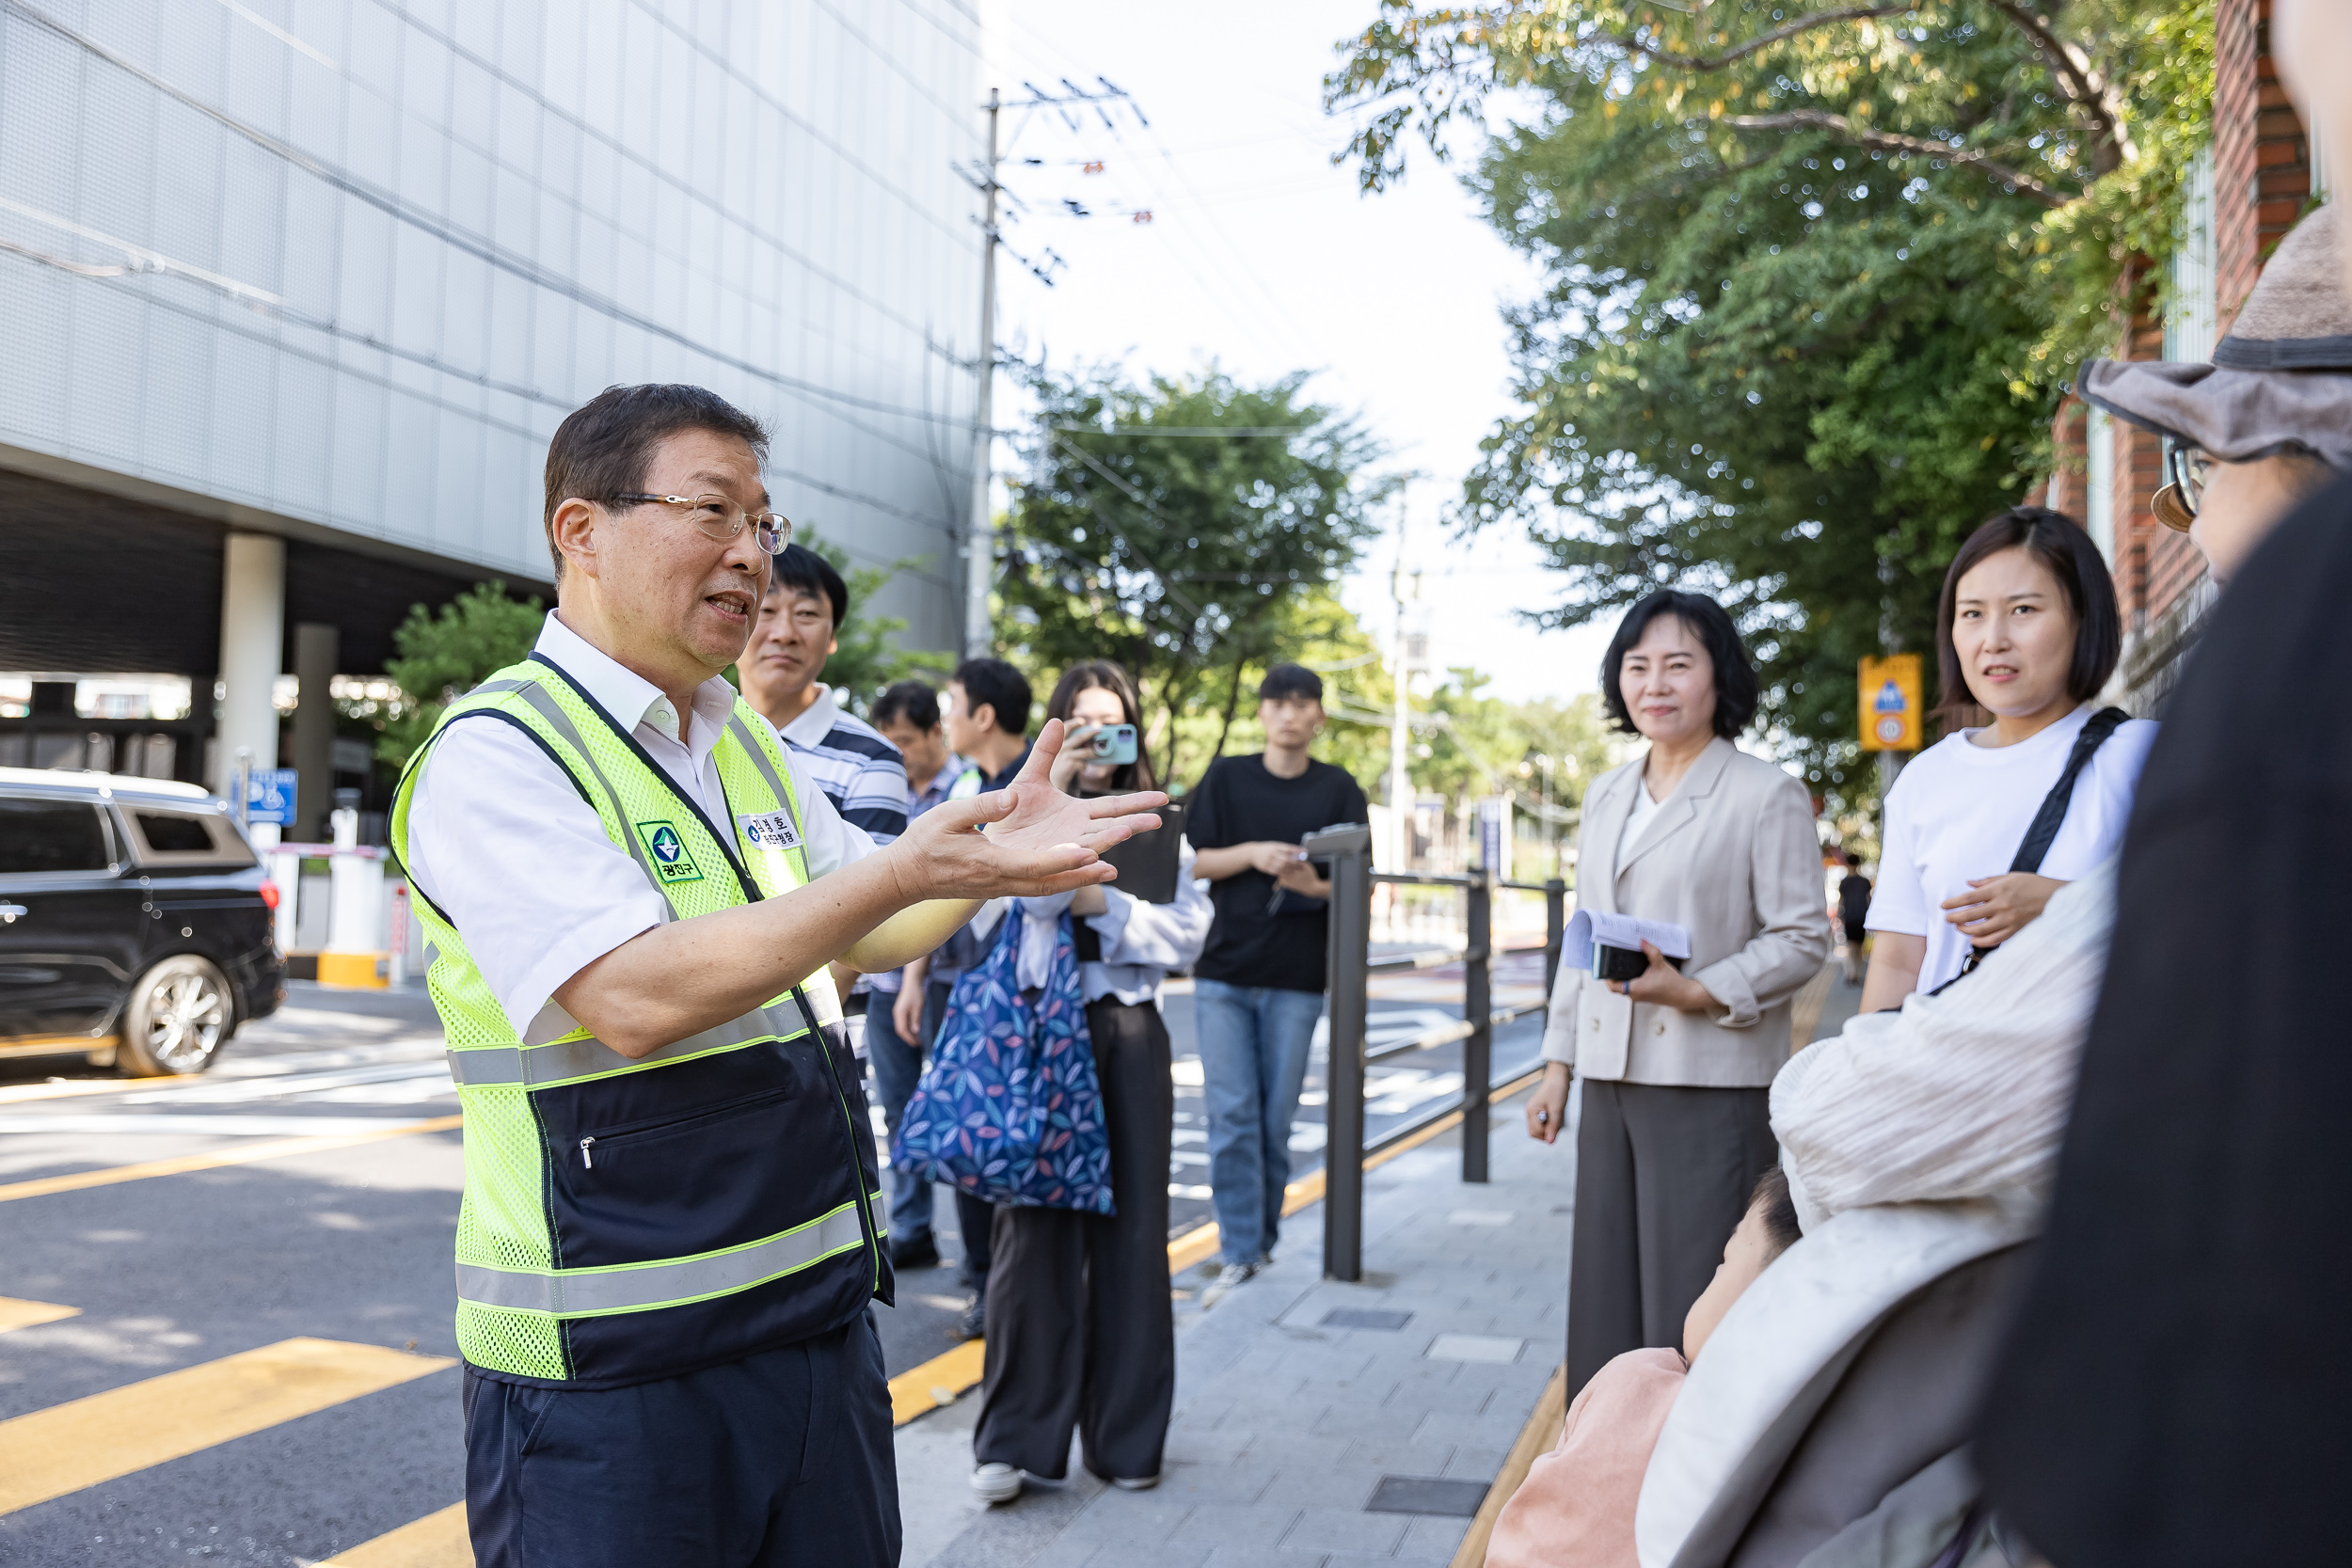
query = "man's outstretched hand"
{"x": 1035, "y": 840}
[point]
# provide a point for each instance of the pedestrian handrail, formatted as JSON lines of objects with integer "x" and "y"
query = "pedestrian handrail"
{"x": 1446, "y": 1034}
{"x": 1348, "y": 851}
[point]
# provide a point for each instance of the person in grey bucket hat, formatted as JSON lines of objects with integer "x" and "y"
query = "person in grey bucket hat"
{"x": 2268, "y": 422}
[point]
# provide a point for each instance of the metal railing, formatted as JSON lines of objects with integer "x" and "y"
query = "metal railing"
{"x": 1348, "y": 852}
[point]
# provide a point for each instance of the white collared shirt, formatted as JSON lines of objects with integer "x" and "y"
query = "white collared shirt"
{"x": 503, "y": 843}
{"x": 861, "y": 772}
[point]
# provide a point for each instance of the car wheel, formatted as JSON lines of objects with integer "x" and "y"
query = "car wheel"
{"x": 178, "y": 1017}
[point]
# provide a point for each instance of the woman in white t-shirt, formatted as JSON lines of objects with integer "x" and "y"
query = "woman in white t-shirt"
{"x": 2027, "y": 629}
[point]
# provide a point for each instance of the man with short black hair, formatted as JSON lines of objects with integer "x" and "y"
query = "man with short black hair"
{"x": 907, "y": 714}
{"x": 666, "y": 1249}
{"x": 798, "y": 629}
{"x": 1258, "y": 989}
{"x": 988, "y": 716}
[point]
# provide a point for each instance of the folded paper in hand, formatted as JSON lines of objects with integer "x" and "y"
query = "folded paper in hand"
{"x": 1620, "y": 930}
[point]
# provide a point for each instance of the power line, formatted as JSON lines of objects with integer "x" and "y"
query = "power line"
{"x": 1194, "y": 429}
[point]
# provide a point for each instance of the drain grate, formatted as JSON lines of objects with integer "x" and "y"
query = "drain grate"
{"x": 1364, "y": 1317}
{"x": 1452, "y": 1500}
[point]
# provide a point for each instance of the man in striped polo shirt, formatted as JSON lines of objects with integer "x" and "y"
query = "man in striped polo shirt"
{"x": 859, "y": 772}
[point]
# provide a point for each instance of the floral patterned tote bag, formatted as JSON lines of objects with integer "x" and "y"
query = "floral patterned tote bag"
{"x": 1009, "y": 1107}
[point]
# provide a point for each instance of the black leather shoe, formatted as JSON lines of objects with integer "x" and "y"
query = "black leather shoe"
{"x": 919, "y": 1253}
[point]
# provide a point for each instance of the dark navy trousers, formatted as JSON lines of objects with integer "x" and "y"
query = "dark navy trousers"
{"x": 782, "y": 1457}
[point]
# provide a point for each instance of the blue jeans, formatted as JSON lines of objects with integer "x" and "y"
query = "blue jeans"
{"x": 897, "y": 1066}
{"x": 1254, "y": 1044}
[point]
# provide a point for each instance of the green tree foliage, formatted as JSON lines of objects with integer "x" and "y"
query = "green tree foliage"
{"x": 1817, "y": 280}
{"x": 443, "y": 656}
{"x": 1187, "y": 528}
{"x": 1312, "y": 628}
{"x": 867, "y": 656}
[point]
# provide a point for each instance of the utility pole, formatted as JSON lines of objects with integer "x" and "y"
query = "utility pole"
{"x": 1400, "y": 674}
{"x": 980, "y": 545}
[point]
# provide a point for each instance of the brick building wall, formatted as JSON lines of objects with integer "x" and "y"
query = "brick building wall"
{"x": 2261, "y": 157}
{"x": 2262, "y": 181}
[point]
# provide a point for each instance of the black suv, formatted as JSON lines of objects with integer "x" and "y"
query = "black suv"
{"x": 136, "y": 923}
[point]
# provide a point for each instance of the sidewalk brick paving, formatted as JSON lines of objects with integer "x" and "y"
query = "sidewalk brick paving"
{"x": 1287, "y": 1421}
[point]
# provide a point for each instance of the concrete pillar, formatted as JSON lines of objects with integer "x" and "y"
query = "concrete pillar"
{"x": 252, "y": 639}
{"x": 315, "y": 649}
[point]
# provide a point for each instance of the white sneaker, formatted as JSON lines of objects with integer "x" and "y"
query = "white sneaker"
{"x": 1135, "y": 1483}
{"x": 996, "y": 1484}
{"x": 1229, "y": 1278}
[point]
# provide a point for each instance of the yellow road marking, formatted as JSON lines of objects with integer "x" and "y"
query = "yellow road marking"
{"x": 276, "y": 1149}
{"x": 916, "y": 1391}
{"x": 913, "y": 1392}
{"x": 25, "y": 1314}
{"x": 435, "y": 1541}
{"x": 69, "y": 1446}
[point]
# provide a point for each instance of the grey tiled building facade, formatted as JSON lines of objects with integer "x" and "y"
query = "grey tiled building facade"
{"x": 326, "y": 274}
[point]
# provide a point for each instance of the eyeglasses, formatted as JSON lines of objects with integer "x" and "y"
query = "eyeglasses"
{"x": 717, "y": 517}
{"x": 2184, "y": 470}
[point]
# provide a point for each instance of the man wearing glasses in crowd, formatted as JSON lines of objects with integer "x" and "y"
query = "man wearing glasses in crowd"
{"x": 668, "y": 1243}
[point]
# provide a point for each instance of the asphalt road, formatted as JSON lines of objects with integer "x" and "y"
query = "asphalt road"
{"x": 242, "y": 1460}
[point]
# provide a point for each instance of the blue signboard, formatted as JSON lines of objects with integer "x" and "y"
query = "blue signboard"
{"x": 269, "y": 795}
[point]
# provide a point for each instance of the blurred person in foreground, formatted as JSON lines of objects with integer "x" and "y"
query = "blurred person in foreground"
{"x": 1678, "y": 1063}
{"x": 907, "y": 716}
{"x": 1081, "y": 1333}
{"x": 666, "y": 1251}
{"x": 2175, "y": 1388}
{"x": 1258, "y": 989}
{"x": 1576, "y": 1508}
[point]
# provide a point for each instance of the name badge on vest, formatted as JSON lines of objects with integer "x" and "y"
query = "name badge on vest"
{"x": 770, "y": 830}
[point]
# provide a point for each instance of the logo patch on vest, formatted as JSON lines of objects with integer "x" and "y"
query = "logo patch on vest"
{"x": 671, "y": 863}
{"x": 770, "y": 830}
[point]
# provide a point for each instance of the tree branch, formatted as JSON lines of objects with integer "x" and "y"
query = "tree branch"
{"x": 1888, "y": 141}
{"x": 2082, "y": 82}
{"x": 1765, "y": 41}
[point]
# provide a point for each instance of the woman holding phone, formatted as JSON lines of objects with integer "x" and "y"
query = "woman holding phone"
{"x": 1080, "y": 1334}
{"x": 2027, "y": 630}
{"x": 1677, "y": 1062}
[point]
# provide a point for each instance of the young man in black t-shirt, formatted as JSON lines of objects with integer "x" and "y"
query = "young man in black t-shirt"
{"x": 1259, "y": 984}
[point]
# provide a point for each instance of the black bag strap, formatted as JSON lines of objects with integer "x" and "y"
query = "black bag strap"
{"x": 2052, "y": 817}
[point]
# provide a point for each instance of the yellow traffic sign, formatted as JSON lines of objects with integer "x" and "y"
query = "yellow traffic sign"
{"x": 1891, "y": 705}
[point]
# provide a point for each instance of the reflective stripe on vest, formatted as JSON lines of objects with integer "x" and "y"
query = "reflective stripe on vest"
{"x": 636, "y": 1287}
{"x": 543, "y": 1064}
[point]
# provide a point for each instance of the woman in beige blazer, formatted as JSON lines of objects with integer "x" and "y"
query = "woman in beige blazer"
{"x": 1678, "y": 1064}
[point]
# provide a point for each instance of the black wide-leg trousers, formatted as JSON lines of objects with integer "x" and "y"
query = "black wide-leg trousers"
{"x": 1080, "y": 1333}
{"x": 1662, "y": 1176}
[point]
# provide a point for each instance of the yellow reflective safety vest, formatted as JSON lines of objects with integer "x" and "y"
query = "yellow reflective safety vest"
{"x": 631, "y": 1220}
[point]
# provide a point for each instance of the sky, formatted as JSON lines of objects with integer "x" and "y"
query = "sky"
{"x": 1262, "y": 255}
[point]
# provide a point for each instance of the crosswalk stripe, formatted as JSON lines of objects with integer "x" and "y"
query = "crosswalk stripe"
{"x": 16, "y": 1313}
{"x": 69, "y": 1446}
{"x": 435, "y": 1541}
{"x": 276, "y": 1149}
